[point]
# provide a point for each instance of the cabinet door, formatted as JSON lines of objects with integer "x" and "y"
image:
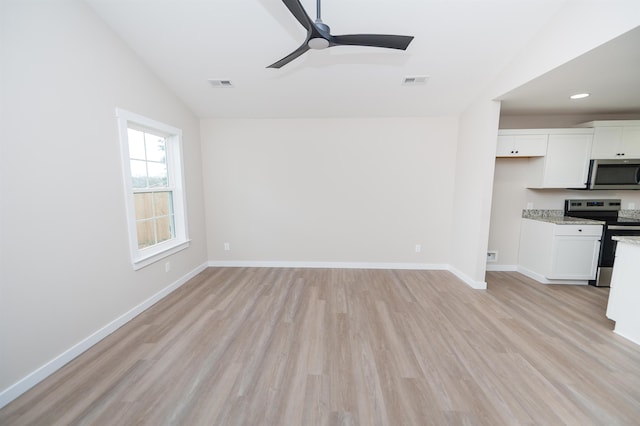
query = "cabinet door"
{"x": 566, "y": 164}
{"x": 574, "y": 257}
{"x": 607, "y": 143}
{"x": 631, "y": 142}
{"x": 521, "y": 146}
{"x": 505, "y": 146}
{"x": 531, "y": 145}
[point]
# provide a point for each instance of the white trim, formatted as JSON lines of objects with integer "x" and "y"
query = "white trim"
{"x": 143, "y": 257}
{"x": 148, "y": 260}
{"x": 325, "y": 265}
{"x": 543, "y": 280}
{"x": 478, "y": 285}
{"x": 502, "y": 268}
{"x": 629, "y": 333}
{"x": 38, "y": 375}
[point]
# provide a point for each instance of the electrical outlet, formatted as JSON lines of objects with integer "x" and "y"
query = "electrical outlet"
{"x": 632, "y": 206}
{"x": 167, "y": 266}
{"x": 418, "y": 248}
{"x": 227, "y": 246}
{"x": 492, "y": 256}
{"x": 529, "y": 206}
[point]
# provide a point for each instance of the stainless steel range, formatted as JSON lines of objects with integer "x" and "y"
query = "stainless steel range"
{"x": 605, "y": 210}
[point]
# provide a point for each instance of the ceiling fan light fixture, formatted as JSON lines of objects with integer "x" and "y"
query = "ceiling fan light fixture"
{"x": 318, "y": 43}
{"x": 579, "y": 96}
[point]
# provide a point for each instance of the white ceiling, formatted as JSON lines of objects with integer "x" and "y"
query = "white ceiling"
{"x": 610, "y": 73}
{"x": 460, "y": 44}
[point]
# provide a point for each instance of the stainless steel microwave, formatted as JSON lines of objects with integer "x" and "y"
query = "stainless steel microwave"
{"x": 614, "y": 174}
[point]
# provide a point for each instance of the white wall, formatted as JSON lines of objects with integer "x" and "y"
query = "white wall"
{"x": 65, "y": 267}
{"x": 474, "y": 176}
{"x": 329, "y": 190}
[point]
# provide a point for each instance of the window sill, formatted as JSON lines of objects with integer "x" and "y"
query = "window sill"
{"x": 159, "y": 254}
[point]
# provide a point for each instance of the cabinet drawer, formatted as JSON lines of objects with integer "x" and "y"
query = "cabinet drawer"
{"x": 578, "y": 230}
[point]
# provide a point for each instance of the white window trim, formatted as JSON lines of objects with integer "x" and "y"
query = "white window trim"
{"x": 146, "y": 256}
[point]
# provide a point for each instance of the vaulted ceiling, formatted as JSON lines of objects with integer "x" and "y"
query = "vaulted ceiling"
{"x": 460, "y": 45}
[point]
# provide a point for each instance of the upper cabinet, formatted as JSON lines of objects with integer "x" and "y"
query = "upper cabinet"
{"x": 559, "y": 158}
{"x": 566, "y": 164}
{"x": 515, "y": 143}
{"x": 615, "y": 139}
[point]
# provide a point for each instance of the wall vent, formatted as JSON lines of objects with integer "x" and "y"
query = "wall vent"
{"x": 415, "y": 80}
{"x": 220, "y": 83}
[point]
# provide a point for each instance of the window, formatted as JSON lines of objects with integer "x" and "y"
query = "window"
{"x": 152, "y": 168}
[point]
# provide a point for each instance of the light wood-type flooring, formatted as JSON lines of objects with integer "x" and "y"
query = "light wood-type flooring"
{"x": 262, "y": 346}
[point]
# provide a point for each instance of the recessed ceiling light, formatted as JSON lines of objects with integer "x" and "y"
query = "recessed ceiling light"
{"x": 579, "y": 96}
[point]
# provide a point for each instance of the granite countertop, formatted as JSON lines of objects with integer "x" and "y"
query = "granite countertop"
{"x": 557, "y": 217}
{"x": 566, "y": 220}
{"x": 628, "y": 240}
{"x": 629, "y": 214}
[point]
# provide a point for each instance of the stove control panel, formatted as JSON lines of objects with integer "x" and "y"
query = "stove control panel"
{"x": 593, "y": 205}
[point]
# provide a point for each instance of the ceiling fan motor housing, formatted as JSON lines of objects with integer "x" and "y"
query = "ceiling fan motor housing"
{"x": 323, "y": 42}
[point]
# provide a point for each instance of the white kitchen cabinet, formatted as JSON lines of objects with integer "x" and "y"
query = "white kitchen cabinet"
{"x": 566, "y": 164}
{"x": 615, "y": 139}
{"x": 521, "y": 145}
{"x": 551, "y": 251}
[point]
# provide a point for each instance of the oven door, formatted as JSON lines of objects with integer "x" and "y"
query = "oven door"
{"x": 608, "y": 250}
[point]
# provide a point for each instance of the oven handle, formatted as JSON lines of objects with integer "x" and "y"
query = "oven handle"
{"x": 623, "y": 228}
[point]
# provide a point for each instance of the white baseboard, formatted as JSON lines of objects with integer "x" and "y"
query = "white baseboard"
{"x": 543, "y": 280}
{"x": 35, "y": 377}
{"x": 629, "y": 333}
{"x": 480, "y": 285}
{"x": 501, "y": 268}
{"x": 324, "y": 265}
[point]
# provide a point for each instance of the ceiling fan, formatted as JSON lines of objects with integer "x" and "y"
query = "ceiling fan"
{"x": 320, "y": 37}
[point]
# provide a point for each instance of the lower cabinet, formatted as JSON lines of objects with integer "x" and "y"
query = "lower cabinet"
{"x": 551, "y": 251}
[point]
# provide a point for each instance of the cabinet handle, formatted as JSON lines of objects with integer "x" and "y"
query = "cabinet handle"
{"x": 579, "y": 230}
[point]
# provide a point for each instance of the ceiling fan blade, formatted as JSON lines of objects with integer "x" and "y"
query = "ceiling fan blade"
{"x": 290, "y": 57}
{"x": 373, "y": 40}
{"x": 298, "y": 11}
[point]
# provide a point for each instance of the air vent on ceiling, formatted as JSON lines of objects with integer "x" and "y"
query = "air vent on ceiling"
{"x": 415, "y": 80}
{"x": 219, "y": 83}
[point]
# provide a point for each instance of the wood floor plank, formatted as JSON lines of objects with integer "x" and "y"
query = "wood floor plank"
{"x": 268, "y": 346}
